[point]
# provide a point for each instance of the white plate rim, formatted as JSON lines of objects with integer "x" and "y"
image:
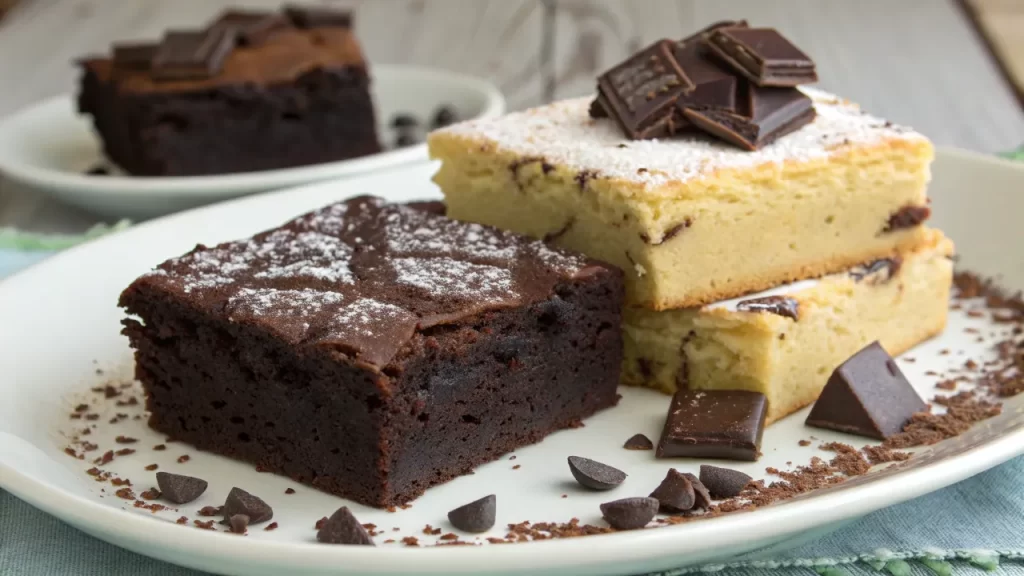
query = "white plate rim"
{"x": 204, "y": 186}
{"x": 623, "y": 547}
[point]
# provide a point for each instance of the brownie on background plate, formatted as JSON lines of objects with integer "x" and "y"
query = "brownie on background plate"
{"x": 251, "y": 91}
{"x": 373, "y": 350}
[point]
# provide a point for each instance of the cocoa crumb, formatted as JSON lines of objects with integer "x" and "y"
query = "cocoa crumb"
{"x": 389, "y": 541}
{"x": 271, "y": 526}
{"x": 411, "y": 541}
{"x": 517, "y": 466}
{"x": 289, "y": 491}
{"x": 946, "y": 384}
{"x": 184, "y": 458}
{"x": 211, "y": 511}
{"x": 881, "y": 454}
{"x": 207, "y": 525}
{"x": 121, "y": 482}
{"x": 125, "y": 493}
{"x": 82, "y": 408}
{"x": 449, "y": 536}
{"x": 151, "y": 494}
{"x": 152, "y": 467}
{"x": 125, "y": 452}
{"x": 962, "y": 411}
{"x": 159, "y": 447}
{"x": 181, "y": 520}
{"x": 804, "y": 442}
{"x": 431, "y": 531}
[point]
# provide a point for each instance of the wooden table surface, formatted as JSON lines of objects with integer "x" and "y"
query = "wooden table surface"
{"x": 916, "y": 62}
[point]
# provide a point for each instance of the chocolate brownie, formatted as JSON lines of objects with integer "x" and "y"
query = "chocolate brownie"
{"x": 251, "y": 91}
{"x": 373, "y": 350}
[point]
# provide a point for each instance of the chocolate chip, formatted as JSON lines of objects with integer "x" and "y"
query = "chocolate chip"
{"x": 238, "y": 523}
{"x": 404, "y": 120}
{"x": 406, "y": 139}
{"x": 630, "y": 513}
{"x": 675, "y": 493}
{"x": 723, "y": 482}
{"x": 476, "y": 517}
{"x": 178, "y": 488}
{"x": 594, "y": 475}
{"x": 443, "y": 117}
{"x": 780, "y": 305}
{"x": 241, "y": 502}
{"x": 343, "y": 528}
{"x": 701, "y": 496}
{"x": 638, "y": 442}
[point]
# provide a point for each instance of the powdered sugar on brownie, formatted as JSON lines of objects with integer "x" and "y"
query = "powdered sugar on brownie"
{"x": 563, "y": 134}
{"x": 445, "y": 277}
{"x": 251, "y": 302}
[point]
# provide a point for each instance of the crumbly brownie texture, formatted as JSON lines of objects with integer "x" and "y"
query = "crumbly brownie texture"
{"x": 692, "y": 220}
{"x": 299, "y": 96}
{"x": 372, "y": 350}
{"x": 737, "y": 344}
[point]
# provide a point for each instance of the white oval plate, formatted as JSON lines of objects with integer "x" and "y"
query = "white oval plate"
{"x": 49, "y": 147}
{"x": 59, "y": 322}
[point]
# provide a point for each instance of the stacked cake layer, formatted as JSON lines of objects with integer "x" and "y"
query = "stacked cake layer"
{"x": 826, "y": 216}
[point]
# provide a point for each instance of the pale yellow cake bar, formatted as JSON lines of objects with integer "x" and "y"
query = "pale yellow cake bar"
{"x": 718, "y": 346}
{"x": 690, "y": 219}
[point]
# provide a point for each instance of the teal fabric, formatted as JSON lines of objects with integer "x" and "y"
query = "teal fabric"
{"x": 974, "y": 527}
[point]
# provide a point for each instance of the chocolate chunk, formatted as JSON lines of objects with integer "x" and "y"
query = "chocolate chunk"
{"x": 178, "y": 488}
{"x": 714, "y": 424}
{"x": 780, "y": 305}
{"x": 867, "y": 395}
{"x": 251, "y": 27}
{"x": 403, "y": 120}
{"x": 723, "y": 482}
{"x": 675, "y": 493}
{"x": 713, "y": 86}
{"x": 701, "y": 496}
{"x": 768, "y": 114}
{"x": 907, "y": 217}
{"x": 638, "y": 442}
{"x": 594, "y": 475}
{"x": 343, "y": 528}
{"x": 133, "y": 56}
{"x": 192, "y": 55}
{"x": 475, "y": 517}
{"x": 891, "y": 267}
{"x": 763, "y": 56}
{"x": 640, "y": 93}
{"x": 238, "y": 523}
{"x": 444, "y": 116}
{"x": 241, "y": 502}
{"x": 596, "y": 110}
{"x": 317, "y": 16}
{"x": 630, "y": 513}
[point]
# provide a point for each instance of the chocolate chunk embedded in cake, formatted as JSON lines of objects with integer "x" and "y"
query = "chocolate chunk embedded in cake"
{"x": 373, "y": 350}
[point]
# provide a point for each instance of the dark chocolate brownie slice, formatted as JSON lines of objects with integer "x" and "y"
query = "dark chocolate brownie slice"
{"x": 277, "y": 95}
{"x": 373, "y": 350}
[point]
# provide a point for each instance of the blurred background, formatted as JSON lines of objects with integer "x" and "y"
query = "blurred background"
{"x": 928, "y": 63}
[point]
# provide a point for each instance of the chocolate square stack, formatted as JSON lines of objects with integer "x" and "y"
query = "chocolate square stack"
{"x": 251, "y": 91}
{"x": 374, "y": 350}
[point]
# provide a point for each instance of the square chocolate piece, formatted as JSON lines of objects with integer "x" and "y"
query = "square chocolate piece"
{"x": 867, "y": 395}
{"x": 714, "y": 424}
{"x": 762, "y": 55}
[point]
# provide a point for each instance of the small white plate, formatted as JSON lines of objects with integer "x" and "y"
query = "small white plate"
{"x": 59, "y": 322}
{"x": 49, "y": 147}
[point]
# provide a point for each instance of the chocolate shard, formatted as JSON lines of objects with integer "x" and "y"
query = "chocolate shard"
{"x": 907, "y": 217}
{"x": 318, "y": 16}
{"x": 714, "y": 424}
{"x": 640, "y": 93}
{"x": 675, "y": 493}
{"x": 762, "y": 55}
{"x": 192, "y": 55}
{"x": 238, "y": 523}
{"x": 638, "y": 442}
{"x": 241, "y": 502}
{"x": 779, "y": 305}
{"x": 714, "y": 86}
{"x": 251, "y": 27}
{"x": 701, "y": 495}
{"x": 867, "y": 395}
{"x": 133, "y": 56}
{"x": 723, "y": 482}
{"x": 595, "y": 475}
{"x": 890, "y": 267}
{"x": 178, "y": 488}
{"x": 343, "y": 528}
{"x": 765, "y": 115}
{"x": 630, "y": 513}
{"x": 477, "y": 516}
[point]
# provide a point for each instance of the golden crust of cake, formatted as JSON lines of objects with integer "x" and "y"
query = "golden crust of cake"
{"x": 721, "y": 346}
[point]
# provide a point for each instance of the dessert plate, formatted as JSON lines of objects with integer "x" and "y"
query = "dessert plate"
{"x": 49, "y": 147}
{"x": 59, "y": 337}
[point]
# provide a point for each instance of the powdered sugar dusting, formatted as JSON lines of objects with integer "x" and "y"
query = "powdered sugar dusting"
{"x": 445, "y": 277}
{"x": 559, "y": 261}
{"x": 563, "y": 134}
{"x": 307, "y": 254}
{"x": 414, "y": 232}
{"x": 254, "y": 302}
{"x": 365, "y": 317}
